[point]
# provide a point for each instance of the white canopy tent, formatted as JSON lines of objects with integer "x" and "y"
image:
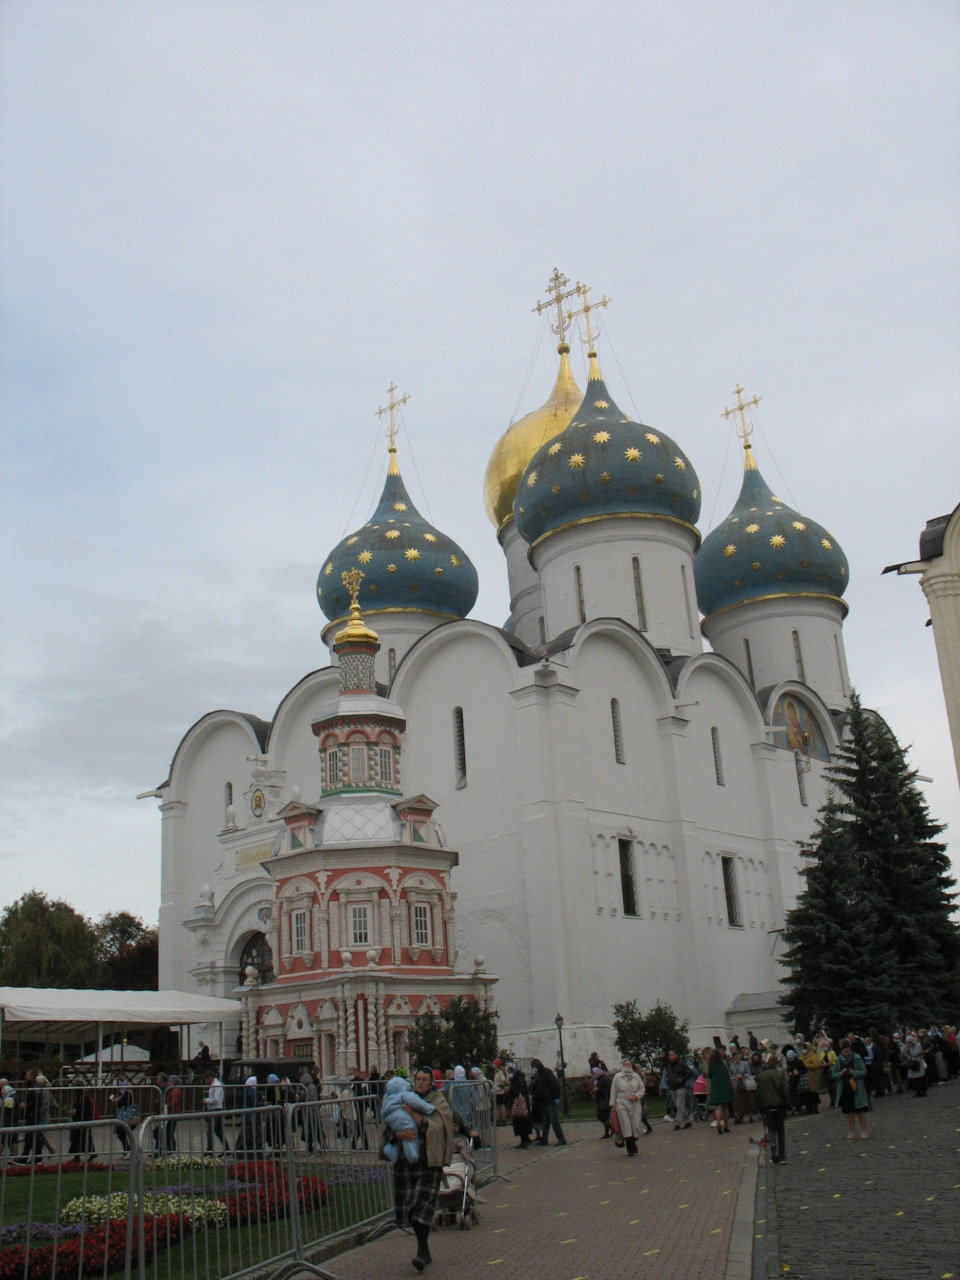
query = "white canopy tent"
{"x": 30, "y": 1012}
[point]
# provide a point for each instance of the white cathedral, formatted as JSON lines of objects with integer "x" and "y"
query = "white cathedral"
{"x": 586, "y": 802}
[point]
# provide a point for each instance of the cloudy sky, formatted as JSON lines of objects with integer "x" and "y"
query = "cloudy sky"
{"x": 225, "y": 228}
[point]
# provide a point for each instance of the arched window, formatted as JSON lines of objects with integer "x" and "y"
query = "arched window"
{"x": 256, "y": 952}
{"x": 459, "y": 748}
{"x": 843, "y": 681}
{"x": 391, "y": 663}
{"x": 798, "y": 657}
{"x": 578, "y": 579}
{"x": 638, "y": 592}
{"x": 749, "y": 657}
{"x": 227, "y": 801}
{"x": 717, "y": 758}
{"x": 802, "y": 767}
{"x": 686, "y": 601}
{"x": 617, "y": 731}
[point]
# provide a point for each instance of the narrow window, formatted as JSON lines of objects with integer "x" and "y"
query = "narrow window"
{"x": 227, "y": 800}
{"x": 358, "y": 764}
{"x": 730, "y": 892}
{"x": 843, "y": 683}
{"x": 798, "y": 657}
{"x": 299, "y": 931}
{"x": 717, "y": 758}
{"x": 617, "y": 731}
{"x": 421, "y": 925}
{"x": 386, "y": 765}
{"x": 686, "y": 600}
{"x": 638, "y": 592}
{"x": 360, "y": 926}
{"x": 333, "y": 768}
{"x": 628, "y": 886}
{"x": 749, "y": 657}
{"x": 801, "y": 781}
{"x": 578, "y": 578}
{"x": 543, "y": 629}
{"x": 391, "y": 664}
{"x": 459, "y": 747}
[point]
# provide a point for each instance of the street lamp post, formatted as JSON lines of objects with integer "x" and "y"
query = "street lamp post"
{"x": 558, "y": 1021}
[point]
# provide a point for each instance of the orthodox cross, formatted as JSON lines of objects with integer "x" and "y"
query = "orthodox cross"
{"x": 583, "y": 291}
{"x": 744, "y": 430}
{"x": 557, "y": 294}
{"x": 351, "y": 580}
{"x": 391, "y": 407}
{"x": 258, "y": 761}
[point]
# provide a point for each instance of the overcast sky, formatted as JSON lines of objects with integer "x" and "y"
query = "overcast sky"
{"x": 227, "y": 227}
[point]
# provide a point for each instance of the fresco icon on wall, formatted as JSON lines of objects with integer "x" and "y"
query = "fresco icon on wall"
{"x": 801, "y": 731}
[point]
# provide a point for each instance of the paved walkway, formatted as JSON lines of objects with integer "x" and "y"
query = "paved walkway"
{"x": 586, "y": 1212}
{"x": 884, "y": 1209}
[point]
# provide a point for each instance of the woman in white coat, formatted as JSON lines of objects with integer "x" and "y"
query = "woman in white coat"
{"x": 626, "y": 1098}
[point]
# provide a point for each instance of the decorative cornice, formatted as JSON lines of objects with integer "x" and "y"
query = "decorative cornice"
{"x": 617, "y": 515}
{"x": 780, "y": 595}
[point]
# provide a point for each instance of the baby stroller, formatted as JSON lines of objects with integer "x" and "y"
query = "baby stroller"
{"x": 458, "y": 1188}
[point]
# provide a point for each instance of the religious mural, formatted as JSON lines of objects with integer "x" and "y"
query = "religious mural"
{"x": 801, "y": 731}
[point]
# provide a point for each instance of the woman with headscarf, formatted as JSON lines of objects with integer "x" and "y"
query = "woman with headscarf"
{"x": 252, "y": 1103}
{"x": 626, "y": 1098}
{"x": 720, "y": 1096}
{"x": 416, "y": 1188}
{"x": 173, "y": 1105}
{"x": 850, "y": 1074}
{"x": 518, "y": 1104}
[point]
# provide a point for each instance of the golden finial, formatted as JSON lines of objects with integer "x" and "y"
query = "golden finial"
{"x": 392, "y": 406}
{"x": 744, "y": 429}
{"x": 356, "y": 628}
{"x": 583, "y": 291}
{"x": 557, "y": 294}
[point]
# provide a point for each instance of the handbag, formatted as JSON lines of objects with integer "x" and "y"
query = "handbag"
{"x": 749, "y": 1083}
{"x": 519, "y": 1110}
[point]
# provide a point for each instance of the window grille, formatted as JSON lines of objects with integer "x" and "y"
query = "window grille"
{"x": 578, "y": 578}
{"x": 358, "y": 764}
{"x": 386, "y": 765}
{"x": 638, "y": 592}
{"x": 749, "y": 657}
{"x": 730, "y": 892}
{"x": 802, "y": 767}
{"x": 628, "y": 884}
{"x": 717, "y": 758}
{"x": 333, "y": 768}
{"x": 360, "y": 926}
{"x": 798, "y": 657}
{"x": 391, "y": 663}
{"x": 459, "y": 747}
{"x": 421, "y": 925}
{"x": 617, "y": 731}
{"x": 299, "y": 931}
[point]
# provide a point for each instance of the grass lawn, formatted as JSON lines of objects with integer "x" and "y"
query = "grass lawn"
{"x": 37, "y": 1199}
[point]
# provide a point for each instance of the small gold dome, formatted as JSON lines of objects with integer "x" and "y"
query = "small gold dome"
{"x": 521, "y": 441}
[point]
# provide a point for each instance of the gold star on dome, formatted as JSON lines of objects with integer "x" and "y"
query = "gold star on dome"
{"x": 753, "y": 528}
{"x": 412, "y": 553}
{"x": 843, "y": 572}
{"x": 659, "y": 477}
{"x": 680, "y": 464}
{"x": 601, "y": 404}
{"x": 328, "y": 570}
{"x": 652, "y": 438}
{"x": 455, "y": 562}
{"x": 729, "y": 550}
{"x": 372, "y": 587}
{"x": 438, "y": 571}
{"x": 399, "y": 506}
{"x": 798, "y": 524}
{"x": 523, "y": 510}
{"x": 531, "y": 479}
{"x": 318, "y": 593}
{"x": 826, "y": 544}
{"x": 755, "y": 566}
{"x": 694, "y": 494}
{"x": 632, "y": 454}
{"x": 391, "y": 568}
{"x": 605, "y": 477}
{"x": 351, "y": 541}
{"x": 555, "y": 488}
{"x": 575, "y": 461}
{"x": 393, "y": 533}
{"x": 601, "y": 437}
{"x": 774, "y": 498}
{"x": 364, "y": 557}
{"x": 554, "y": 449}
{"x": 778, "y": 540}
{"x": 429, "y": 537}
{"x": 738, "y": 582}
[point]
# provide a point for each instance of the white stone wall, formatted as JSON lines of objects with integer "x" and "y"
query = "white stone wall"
{"x": 526, "y": 593}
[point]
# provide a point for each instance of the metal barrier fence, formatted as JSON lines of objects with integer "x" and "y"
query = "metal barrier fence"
{"x": 204, "y": 1195}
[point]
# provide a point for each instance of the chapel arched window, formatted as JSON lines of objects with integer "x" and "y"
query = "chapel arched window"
{"x": 256, "y": 952}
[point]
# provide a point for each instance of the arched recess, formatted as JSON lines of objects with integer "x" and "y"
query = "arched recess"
{"x": 817, "y": 707}
{"x": 420, "y": 655}
{"x": 244, "y": 911}
{"x": 254, "y": 729}
{"x": 723, "y": 670}
{"x": 256, "y": 951}
{"x": 322, "y": 684}
{"x": 636, "y": 645}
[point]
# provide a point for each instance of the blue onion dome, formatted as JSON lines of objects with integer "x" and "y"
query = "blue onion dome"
{"x": 605, "y": 465}
{"x": 765, "y": 549}
{"x": 406, "y": 562}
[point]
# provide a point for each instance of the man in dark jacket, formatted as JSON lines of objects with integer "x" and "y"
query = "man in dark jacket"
{"x": 773, "y": 1099}
{"x": 678, "y": 1074}
{"x": 546, "y": 1091}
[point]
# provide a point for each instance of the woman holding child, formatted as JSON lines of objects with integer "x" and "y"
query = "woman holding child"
{"x": 416, "y": 1186}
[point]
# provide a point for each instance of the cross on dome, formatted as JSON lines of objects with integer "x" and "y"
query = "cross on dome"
{"x": 583, "y": 291}
{"x": 744, "y": 428}
{"x": 557, "y": 294}
{"x": 391, "y": 407}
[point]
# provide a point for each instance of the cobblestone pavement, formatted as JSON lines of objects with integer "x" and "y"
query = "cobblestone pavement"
{"x": 884, "y": 1209}
{"x": 587, "y": 1212}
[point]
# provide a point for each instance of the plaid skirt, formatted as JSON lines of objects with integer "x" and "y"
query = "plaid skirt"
{"x": 416, "y": 1192}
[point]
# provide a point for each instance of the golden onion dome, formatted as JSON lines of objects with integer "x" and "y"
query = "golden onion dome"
{"x": 523, "y": 438}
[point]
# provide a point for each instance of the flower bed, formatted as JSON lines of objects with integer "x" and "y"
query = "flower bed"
{"x": 89, "y": 1252}
{"x": 60, "y": 1167}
